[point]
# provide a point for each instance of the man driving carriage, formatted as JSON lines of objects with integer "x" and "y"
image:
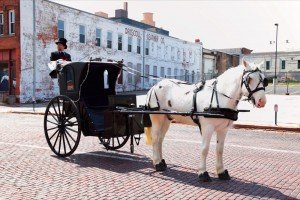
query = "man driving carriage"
{"x": 60, "y": 53}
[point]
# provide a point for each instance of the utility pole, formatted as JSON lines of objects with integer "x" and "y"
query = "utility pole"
{"x": 275, "y": 75}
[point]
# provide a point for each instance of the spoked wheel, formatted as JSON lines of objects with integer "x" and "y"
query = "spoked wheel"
{"x": 62, "y": 126}
{"x": 114, "y": 143}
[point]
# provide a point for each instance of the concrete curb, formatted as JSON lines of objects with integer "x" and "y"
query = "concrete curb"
{"x": 265, "y": 127}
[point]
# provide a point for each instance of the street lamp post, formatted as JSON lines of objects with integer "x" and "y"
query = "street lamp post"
{"x": 275, "y": 75}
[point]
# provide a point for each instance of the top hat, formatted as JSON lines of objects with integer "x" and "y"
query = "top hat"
{"x": 62, "y": 41}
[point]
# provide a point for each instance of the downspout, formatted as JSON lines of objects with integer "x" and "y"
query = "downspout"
{"x": 143, "y": 59}
{"x": 34, "y": 55}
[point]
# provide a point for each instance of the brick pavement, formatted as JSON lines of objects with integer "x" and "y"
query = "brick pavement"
{"x": 263, "y": 165}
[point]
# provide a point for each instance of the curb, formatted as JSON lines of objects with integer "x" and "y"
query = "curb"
{"x": 28, "y": 113}
{"x": 266, "y": 127}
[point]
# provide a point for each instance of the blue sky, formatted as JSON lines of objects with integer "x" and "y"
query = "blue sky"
{"x": 218, "y": 24}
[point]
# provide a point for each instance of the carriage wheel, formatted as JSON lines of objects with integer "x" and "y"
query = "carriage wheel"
{"x": 114, "y": 143}
{"x": 62, "y": 126}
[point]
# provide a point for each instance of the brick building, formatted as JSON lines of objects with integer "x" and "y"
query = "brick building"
{"x": 9, "y": 49}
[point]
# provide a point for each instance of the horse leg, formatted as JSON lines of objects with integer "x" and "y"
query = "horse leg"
{"x": 206, "y": 137}
{"x": 222, "y": 173}
{"x": 166, "y": 124}
{"x": 157, "y": 135}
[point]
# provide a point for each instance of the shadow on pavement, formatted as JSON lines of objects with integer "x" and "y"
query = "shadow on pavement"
{"x": 125, "y": 163}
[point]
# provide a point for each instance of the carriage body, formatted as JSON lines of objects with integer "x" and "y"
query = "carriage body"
{"x": 87, "y": 94}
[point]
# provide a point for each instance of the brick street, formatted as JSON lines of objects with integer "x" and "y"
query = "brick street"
{"x": 263, "y": 165}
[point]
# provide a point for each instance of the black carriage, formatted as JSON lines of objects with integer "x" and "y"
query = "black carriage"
{"x": 88, "y": 104}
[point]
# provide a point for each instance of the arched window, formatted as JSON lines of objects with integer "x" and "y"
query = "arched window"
{"x": 70, "y": 79}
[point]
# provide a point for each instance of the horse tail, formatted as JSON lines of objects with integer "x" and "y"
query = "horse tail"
{"x": 148, "y": 135}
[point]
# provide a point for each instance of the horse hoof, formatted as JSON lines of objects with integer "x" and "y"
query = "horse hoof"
{"x": 224, "y": 175}
{"x": 204, "y": 177}
{"x": 161, "y": 166}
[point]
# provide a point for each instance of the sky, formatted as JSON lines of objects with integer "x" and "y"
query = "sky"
{"x": 218, "y": 24}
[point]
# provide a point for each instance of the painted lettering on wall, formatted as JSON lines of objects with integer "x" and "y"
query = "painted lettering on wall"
{"x": 133, "y": 32}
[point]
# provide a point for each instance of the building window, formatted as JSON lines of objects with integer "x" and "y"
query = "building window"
{"x": 11, "y": 15}
{"x": 147, "y": 73}
{"x": 162, "y": 72}
{"x": 129, "y": 75}
{"x": 283, "y": 64}
{"x": 129, "y": 44}
{"x": 175, "y": 73}
{"x": 109, "y": 40}
{"x": 98, "y": 37}
{"x": 147, "y": 48}
{"x": 267, "y": 65}
{"x": 169, "y": 72}
{"x": 138, "y": 48}
{"x": 1, "y": 24}
{"x": 120, "y": 42}
{"x": 61, "y": 28}
{"x": 154, "y": 70}
{"x": 298, "y": 64}
{"x": 81, "y": 34}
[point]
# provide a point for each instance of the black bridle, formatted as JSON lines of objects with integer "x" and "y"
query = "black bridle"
{"x": 246, "y": 81}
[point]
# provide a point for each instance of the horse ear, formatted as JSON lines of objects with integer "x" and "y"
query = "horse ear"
{"x": 246, "y": 64}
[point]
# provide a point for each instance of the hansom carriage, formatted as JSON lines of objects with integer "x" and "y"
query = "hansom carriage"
{"x": 88, "y": 104}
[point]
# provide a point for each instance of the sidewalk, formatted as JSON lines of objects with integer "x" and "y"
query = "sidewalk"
{"x": 288, "y": 113}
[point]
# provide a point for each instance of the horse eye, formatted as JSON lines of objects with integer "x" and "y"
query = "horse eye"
{"x": 265, "y": 82}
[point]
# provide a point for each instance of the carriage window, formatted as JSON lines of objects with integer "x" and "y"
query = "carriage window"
{"x": 105, "y": 80}
{"x": 81, "y": 34}
{"x": 98, "y": 37}
{"x": 61, "y": 28}
{"x": 70, "y": 79}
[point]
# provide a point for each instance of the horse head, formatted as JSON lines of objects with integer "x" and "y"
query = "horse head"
{"x": 253, "y": 84}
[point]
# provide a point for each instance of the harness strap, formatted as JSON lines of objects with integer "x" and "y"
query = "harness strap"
{"x": 194, "y": 109}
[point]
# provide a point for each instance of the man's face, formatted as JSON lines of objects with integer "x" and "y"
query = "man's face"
{"x": 60, "y": 47}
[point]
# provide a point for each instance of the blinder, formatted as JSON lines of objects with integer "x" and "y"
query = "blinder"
{"x": 246, "y": 82}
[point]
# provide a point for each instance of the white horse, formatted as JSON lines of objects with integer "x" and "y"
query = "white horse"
{"x": 169, "y": 94}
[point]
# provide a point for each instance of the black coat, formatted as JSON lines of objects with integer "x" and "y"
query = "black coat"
{"x": 60, "y": 55}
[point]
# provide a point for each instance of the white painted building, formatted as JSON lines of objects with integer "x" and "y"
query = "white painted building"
{"x": 287, "y": 62}
{"x": 150, "y": 51}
